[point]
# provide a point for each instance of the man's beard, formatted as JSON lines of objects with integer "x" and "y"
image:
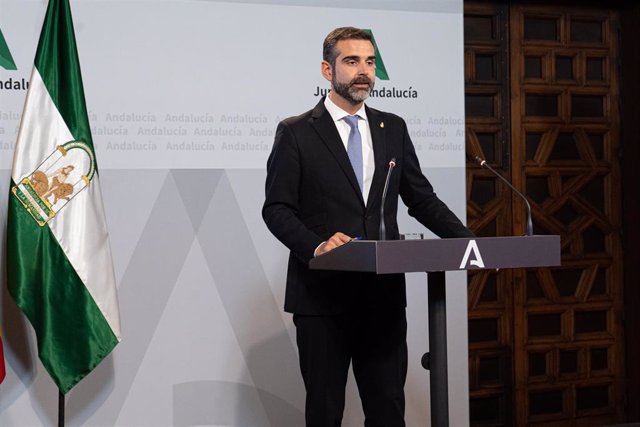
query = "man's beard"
{"x": 353, "y": 95}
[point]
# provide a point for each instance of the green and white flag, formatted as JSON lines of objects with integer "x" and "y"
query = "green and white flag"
{"x": 59, "y": 266}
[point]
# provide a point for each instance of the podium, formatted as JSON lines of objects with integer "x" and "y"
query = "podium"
{"x": 435, "y": 257}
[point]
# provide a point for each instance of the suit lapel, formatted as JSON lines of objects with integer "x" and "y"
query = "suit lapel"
{"x": 376, "y": 125}
{"x": 323, "y": 124}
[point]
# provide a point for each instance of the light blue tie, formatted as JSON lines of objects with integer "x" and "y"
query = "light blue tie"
{"x": 354, "y": 148}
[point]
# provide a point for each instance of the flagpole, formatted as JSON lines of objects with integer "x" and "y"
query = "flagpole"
{"x": 60, "y": 408}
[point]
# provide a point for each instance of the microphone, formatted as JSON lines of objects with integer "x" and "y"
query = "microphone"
{"x": 383, "y": 232}
{"x": 484, "y": 163}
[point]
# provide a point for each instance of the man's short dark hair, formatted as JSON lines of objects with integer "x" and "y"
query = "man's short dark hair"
{"x": 329, "y": 52}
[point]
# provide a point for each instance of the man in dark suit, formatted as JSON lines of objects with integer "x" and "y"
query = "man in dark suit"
{"x": 325, "y": 178}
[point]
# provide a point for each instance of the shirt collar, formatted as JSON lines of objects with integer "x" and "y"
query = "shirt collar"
{"x": 338, "y": 113}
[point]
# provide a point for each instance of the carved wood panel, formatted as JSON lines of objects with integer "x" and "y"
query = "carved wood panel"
{"x": 545, "y": 345}
{"x": 488, "y": 212}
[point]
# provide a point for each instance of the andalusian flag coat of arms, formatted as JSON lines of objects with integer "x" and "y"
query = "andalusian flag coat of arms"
{"x": 59, "y": 266}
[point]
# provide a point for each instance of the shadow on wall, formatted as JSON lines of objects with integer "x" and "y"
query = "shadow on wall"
{"x": 181, "y": 214}
{"x": 241, "y": 405}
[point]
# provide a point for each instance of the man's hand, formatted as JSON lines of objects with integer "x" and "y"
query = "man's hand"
{"x": 334, "y": 241}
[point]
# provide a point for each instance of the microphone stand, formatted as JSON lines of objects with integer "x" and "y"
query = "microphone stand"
{"x": 383, "y": 231}
{"x": 484, "y": 163}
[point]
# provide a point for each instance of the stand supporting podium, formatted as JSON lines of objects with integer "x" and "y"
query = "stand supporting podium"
{"x": 437, "y": 356}
{"x": 435, "y": 256}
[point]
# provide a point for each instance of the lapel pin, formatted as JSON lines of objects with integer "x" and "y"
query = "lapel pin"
{"x": 382, "y": 125}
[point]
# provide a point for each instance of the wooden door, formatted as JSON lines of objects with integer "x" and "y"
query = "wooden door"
{"x": 545, "y": 345}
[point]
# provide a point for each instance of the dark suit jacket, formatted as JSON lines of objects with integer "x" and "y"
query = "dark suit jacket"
{"x": 312, "y": 193}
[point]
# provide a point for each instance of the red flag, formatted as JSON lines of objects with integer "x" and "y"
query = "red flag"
{"x": 2, "y": 370}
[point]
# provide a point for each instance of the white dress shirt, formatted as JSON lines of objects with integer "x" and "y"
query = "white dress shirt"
{"x": 368, "y": 164}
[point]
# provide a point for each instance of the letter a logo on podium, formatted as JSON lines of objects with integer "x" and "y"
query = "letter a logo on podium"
{"x": 477, "y": 261}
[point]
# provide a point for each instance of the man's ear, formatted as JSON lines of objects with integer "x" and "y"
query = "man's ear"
{"x": 325, "y": 69}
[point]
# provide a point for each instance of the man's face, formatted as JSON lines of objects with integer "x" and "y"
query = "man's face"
{"x": 353, "y": 76}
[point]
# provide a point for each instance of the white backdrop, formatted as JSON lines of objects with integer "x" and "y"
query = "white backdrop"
{"x": 184, "y": 98}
